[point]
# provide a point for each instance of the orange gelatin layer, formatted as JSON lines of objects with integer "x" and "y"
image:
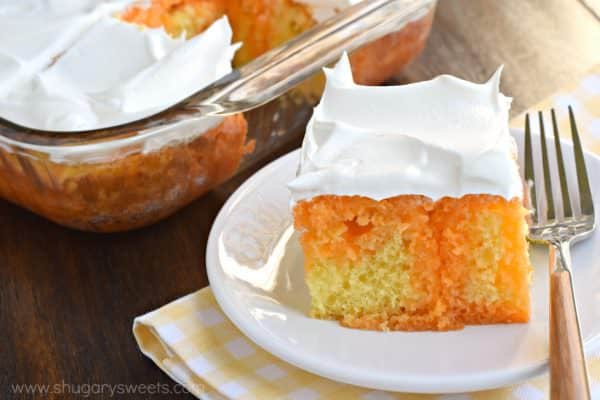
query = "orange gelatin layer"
{"x": 408, "y": 263}
{"x": 484, "y": 257}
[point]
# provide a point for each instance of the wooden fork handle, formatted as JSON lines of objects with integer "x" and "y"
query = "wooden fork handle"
{"x": 568, "y": 375}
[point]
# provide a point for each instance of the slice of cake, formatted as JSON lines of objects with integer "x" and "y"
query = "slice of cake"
{"x": 408, "y": 204}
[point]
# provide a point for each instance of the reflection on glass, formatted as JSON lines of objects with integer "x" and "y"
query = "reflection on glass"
{"x": 264, "y": 277}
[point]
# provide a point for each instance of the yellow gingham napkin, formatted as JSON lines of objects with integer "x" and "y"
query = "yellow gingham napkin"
{"x": 197, "y": 346}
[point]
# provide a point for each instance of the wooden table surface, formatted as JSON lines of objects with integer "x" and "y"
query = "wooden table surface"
{"x": 68, "y": 299}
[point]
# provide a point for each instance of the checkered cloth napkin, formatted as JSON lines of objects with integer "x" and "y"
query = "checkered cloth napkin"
{"x": 196, "y": 345}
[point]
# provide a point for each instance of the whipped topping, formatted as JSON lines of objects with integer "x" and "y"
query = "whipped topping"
{"x": 73, "y": 65}
{"x": 438, "y": 138}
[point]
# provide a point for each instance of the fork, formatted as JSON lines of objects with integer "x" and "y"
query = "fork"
{"x": 568, "y": 375}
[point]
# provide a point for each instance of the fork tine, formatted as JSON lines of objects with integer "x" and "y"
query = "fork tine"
{"x": 564, "y": 187}
{"x": 585, "y": 193}
{"x": 529, "y": 173}
{"x": 550, "y": 212}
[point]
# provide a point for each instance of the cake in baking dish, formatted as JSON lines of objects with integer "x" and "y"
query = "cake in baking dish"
{"x": 261, "y": 25}
{"x": 408, "y": 204}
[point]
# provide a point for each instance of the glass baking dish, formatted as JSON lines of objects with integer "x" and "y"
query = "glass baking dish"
{"x": 120, "y": 179}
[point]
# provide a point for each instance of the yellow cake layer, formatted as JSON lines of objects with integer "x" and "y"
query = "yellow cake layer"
{"x": 408, "y": 263}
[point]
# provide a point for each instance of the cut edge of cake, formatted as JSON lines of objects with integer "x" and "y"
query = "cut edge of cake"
{"x": 409, "y": 263}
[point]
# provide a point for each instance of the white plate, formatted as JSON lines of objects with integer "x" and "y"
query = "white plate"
{"x": 255, "y": 270}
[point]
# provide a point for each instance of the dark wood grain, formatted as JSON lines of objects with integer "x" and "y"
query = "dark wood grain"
{"x": 67, "y": 298}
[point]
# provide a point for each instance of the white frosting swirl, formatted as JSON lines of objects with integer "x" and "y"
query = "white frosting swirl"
{"x": 444, "y": 137}
{"x": 71, "y": 65}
